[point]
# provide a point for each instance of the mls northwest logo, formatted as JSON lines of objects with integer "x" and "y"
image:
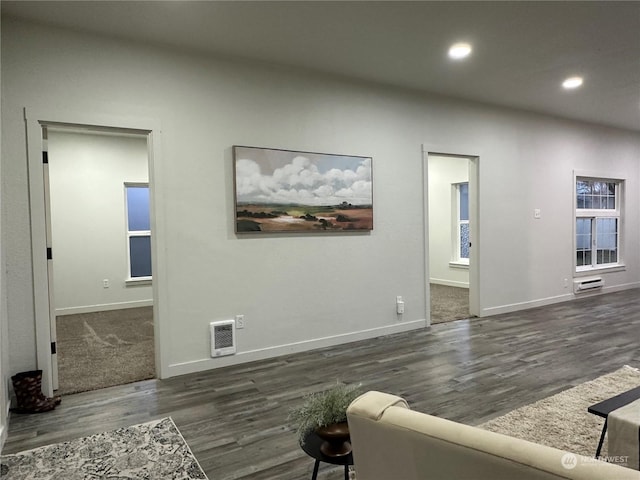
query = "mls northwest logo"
{"x": 569, "y": 461}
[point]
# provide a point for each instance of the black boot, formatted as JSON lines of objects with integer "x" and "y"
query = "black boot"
{"x": 28, "y": 389}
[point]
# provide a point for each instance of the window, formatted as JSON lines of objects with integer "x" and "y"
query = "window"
{"x": 138, "y": 231}
{"x": 597, "y": 223}
{"x": 461, "y": 253}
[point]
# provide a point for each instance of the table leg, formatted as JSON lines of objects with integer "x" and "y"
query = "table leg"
{"x": 315, "y": 470}
{"x": 346, "y": 472}
{"x": 604, "y": 430}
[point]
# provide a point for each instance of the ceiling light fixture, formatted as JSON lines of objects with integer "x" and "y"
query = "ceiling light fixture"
{"x": 572, "y": 82}
{"x": 459, "y": 51}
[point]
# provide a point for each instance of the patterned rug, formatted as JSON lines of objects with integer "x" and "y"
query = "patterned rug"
{"x": 562, "y": 420}
{"x": 154, "y": 450}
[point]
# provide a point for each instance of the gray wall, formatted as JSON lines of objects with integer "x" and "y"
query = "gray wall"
{"x": 303, "y": 291}
{"x": 87, "y": 173}
{"x": 443, "y": 173}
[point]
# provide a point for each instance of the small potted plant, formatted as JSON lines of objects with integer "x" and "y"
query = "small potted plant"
{"x": 325, "y": 413}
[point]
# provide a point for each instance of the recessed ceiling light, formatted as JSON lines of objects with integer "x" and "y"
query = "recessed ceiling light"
{"x": 572, "y": 82}
{"x": 459, "y": 51}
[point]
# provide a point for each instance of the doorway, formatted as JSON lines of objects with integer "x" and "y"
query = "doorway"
{"x": 452, "y": 224}
{"x": 38, "y": 122}
{"x": 97, "y": 190}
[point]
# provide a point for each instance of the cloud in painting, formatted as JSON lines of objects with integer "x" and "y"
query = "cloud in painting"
{"x": 305, "y": 182}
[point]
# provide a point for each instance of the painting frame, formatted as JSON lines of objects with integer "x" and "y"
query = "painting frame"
{"x": 293, "y": 191}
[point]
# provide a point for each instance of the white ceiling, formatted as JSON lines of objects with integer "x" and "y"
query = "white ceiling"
{"x": 522, "y": 50}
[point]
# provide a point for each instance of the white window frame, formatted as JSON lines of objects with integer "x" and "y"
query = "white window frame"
{"x": 457, "y": 260}
{"x": 594, "y": 214}
{"x": 133, "y": 233}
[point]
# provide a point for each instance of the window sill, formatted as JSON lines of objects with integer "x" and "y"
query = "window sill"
{"x": 620, "y": 267}
{"x": 138, "y": 281}
{"x": 458, "y": 264}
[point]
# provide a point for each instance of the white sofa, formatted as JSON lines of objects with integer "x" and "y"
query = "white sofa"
{"x": 392, "y": 442}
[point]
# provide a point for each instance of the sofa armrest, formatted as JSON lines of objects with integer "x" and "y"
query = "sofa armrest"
{"x": 373, "y": 404}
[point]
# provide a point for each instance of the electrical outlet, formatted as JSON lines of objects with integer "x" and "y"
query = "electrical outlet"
{"x": 399, "y": 305}
{"x": 105, "y": 283}
{"x": 239, "y": 321}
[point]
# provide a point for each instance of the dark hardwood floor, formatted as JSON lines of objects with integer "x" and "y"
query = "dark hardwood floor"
{"x": 235, "y": 418}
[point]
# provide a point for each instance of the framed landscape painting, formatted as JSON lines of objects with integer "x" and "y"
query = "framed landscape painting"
{"x": 290, "y": 191}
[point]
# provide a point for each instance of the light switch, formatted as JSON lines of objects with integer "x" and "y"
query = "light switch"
{"x": 537, "y": 213}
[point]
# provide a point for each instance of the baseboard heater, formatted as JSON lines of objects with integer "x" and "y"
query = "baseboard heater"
{"x": 223, "y": 339}
{"x": 588, "y": 284}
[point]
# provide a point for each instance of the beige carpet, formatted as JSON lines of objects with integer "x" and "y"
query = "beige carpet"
{"x": 562, "y": 420}
{"x": 102, "y": 349}
{"x": 448, "y": 303}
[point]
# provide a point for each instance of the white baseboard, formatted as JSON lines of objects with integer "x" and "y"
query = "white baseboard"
{"x": 619, "y": 288}
{"x": 449, "y": 283}
{"x": 303, "y": 346}
{"x": 514, "y": 307}
{"x": 103, "y": 307}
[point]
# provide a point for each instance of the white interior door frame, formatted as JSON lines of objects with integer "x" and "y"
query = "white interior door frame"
{"x": 42, "y": 288}
{"x": 50, "y": 282}
{"x": 473, "y": 154}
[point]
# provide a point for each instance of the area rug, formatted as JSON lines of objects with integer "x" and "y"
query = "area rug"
{"x": 562, "y": 420}
{"x": 154, "y": 450}
{"x": 102, "y": 349}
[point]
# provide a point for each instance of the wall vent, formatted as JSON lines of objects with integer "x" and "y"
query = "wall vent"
{"x": 223, "y": 338}
{"x": 588, "y": 284}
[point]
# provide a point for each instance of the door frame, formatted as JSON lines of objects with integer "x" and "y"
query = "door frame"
{"x": 473, "y": 154}
{"x": 35, "y": 121}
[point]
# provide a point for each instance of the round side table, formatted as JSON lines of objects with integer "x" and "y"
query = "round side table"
{"x": 311, "y": 446}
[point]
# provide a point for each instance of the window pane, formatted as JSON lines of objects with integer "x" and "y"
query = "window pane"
{"x": 597, "y": 202}
{"x": 583, "y": 187}
{"x": 463, "y": 190}
{"x": 583, "y": 258}
{"x": 464, "y": 240}
{"x": 588, "y": 201}
{"x": 607, "y": 229}
{"x": 596, "y": 194}
{"x": 140, "y": 256}
{"x": 606, "y": 240}
{"x": 606, "y": 256}
{"x": 583, "y": 233}
{"x": 138, "y": 208}
{"x": 583, "y": 241}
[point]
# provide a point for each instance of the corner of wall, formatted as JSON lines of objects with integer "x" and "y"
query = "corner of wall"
{"x": 4, "y": 364}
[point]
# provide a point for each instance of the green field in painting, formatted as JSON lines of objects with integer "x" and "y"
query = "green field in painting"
{"x": 254, "y": 217}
